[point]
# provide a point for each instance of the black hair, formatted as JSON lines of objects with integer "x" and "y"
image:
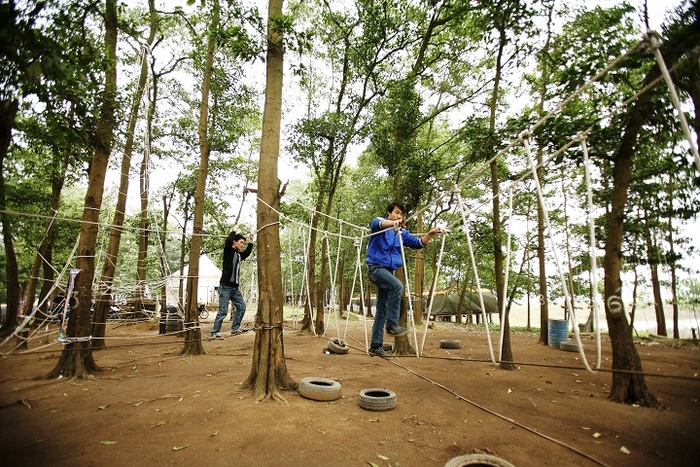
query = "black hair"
{"x": 230, "y": 238}
{"x": 237, "y": 237}
{"x": 393, "y": 205}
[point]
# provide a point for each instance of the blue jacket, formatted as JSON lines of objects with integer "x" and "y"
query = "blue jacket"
{"x": 384, "y": 249}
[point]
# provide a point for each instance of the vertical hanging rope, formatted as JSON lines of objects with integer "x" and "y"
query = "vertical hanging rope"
{"x": 525, "y": 136}
{"x": 655, "y": 43}
{"x": 476, "y": 273}
{"x": 432, "y": 293}
{"x": 592, "y": 250}
{"x": 408, "y": 292}
{"x": 291, "y": 281}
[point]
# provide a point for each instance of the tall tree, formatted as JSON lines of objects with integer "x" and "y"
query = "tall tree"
{"x": 269, "y": 370}
{"x": 104, "y": 298}
{"x": 193, "y": 334}
{"x": 77, "y": 358}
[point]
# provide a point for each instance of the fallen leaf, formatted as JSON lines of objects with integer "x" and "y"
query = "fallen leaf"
{"x": 215, "y": 433}
{"x": 596, "y": 435}
{"x": 102, "y": 407}
{"x": 108, "y": 443}
{"x": 384, "y": 458}
{"x": 55, "y": 410}
{"x": 26, "y": 403}
{"x": 160, "y": 423}
{"x": 180, "y": 448}
{"x": 624, "y": 450}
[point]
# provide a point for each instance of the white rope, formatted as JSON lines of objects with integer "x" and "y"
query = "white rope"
{"x": 334, "y": 280}
{"x": 592, "y": 253}
{"x": 408, "y": 292}
{"x": 432, "y": 294}
{"x": 476, "y": 276}
{"x": 291, "y": 282}
{"x": 567, "y": 297}
{"x": 654, "y": 40}
{"x": 309, "y": 302}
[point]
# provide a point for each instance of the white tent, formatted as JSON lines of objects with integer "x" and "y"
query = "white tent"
{"x": 207, "y": 289}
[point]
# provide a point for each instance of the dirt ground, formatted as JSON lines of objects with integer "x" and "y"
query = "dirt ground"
{"x": 152, "y": 406}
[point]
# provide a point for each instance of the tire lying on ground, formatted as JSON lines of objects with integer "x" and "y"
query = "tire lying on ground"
{"x": 377, "y": 399}
{"x": 319, "y": 389}
{"x": 450, "y": 344}
{"x": 478, "y": 459}
{"x": 335, "y": 346}
{"x": 569, "y": 346}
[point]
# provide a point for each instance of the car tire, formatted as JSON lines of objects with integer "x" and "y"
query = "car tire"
{"x": 450, "y": 344}
{"x": 335, "y": 346}
{"x": 569, "y": 346}
{"x": 478, "y": 459}
{"x": 377, "y": 399}
{"x": 320, "y": 389}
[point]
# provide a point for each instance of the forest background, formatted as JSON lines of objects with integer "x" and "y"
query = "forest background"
{"x": 419, "y": 96}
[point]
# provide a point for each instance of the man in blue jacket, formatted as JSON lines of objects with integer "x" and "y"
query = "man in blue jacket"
{"x": 235, "y": 251}
{"x": 383, "y": 258}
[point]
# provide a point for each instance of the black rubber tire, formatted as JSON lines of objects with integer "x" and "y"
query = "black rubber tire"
{"x": 377, "y": 399}
{"x": 569, "y": 346}
{"x": 478, "y": 459}
{"x": 335, "y": 346}
{"x": 320, "y": 389}
{"x": 388, "y": 346}
{"x": 450, "y": 344}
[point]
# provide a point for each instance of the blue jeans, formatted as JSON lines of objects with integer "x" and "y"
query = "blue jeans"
{"x": 389, "y": 291}
{"x": 226, "y": 294}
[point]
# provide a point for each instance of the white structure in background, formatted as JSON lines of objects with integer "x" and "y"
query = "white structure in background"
{"x": 207, "y": 289}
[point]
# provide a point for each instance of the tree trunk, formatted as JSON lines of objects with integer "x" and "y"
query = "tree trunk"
{"x": 103, "y": 301}
{"x": 8, "y": 111}
{"x": 495, "y": 190}
{"x": 418, "y": 271}
{"x": 193, "y": 334}
{"x": 628, "y": 385}
{"x": 269, "y": 370}
{"x": 653, "y": 261}
{"x": 44, "y": 252}
{"x": 402, "y": 344}
{"x": 541, "y": 259}
{"x": 307, "y": 323}
{"x": 183, "y": 248}
{"x": 76, "y": 359}
{"x": 167, "y": 201}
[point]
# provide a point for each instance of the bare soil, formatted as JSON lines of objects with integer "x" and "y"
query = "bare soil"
{"x": 152, "y": 406}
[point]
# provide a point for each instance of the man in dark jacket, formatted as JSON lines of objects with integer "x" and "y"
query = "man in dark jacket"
{"x": 235, "y": 251}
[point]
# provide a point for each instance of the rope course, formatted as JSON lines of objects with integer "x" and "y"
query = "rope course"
{"x": 650, "y": 42}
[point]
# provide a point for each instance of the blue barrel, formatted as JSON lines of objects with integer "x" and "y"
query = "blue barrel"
{"x": 558, "y": 332}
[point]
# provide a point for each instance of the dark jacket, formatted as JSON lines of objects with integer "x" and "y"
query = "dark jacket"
{"x": 231, "y": 267}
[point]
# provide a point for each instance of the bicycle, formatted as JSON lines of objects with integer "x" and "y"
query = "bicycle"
{"x": 203, "y": 312}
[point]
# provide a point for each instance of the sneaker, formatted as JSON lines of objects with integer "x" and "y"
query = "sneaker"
{"x": 397, "y": 331}
{"x": 379, "y": 352}
{"x": 217, "y": 336}
{"x": 236, "y": 332}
